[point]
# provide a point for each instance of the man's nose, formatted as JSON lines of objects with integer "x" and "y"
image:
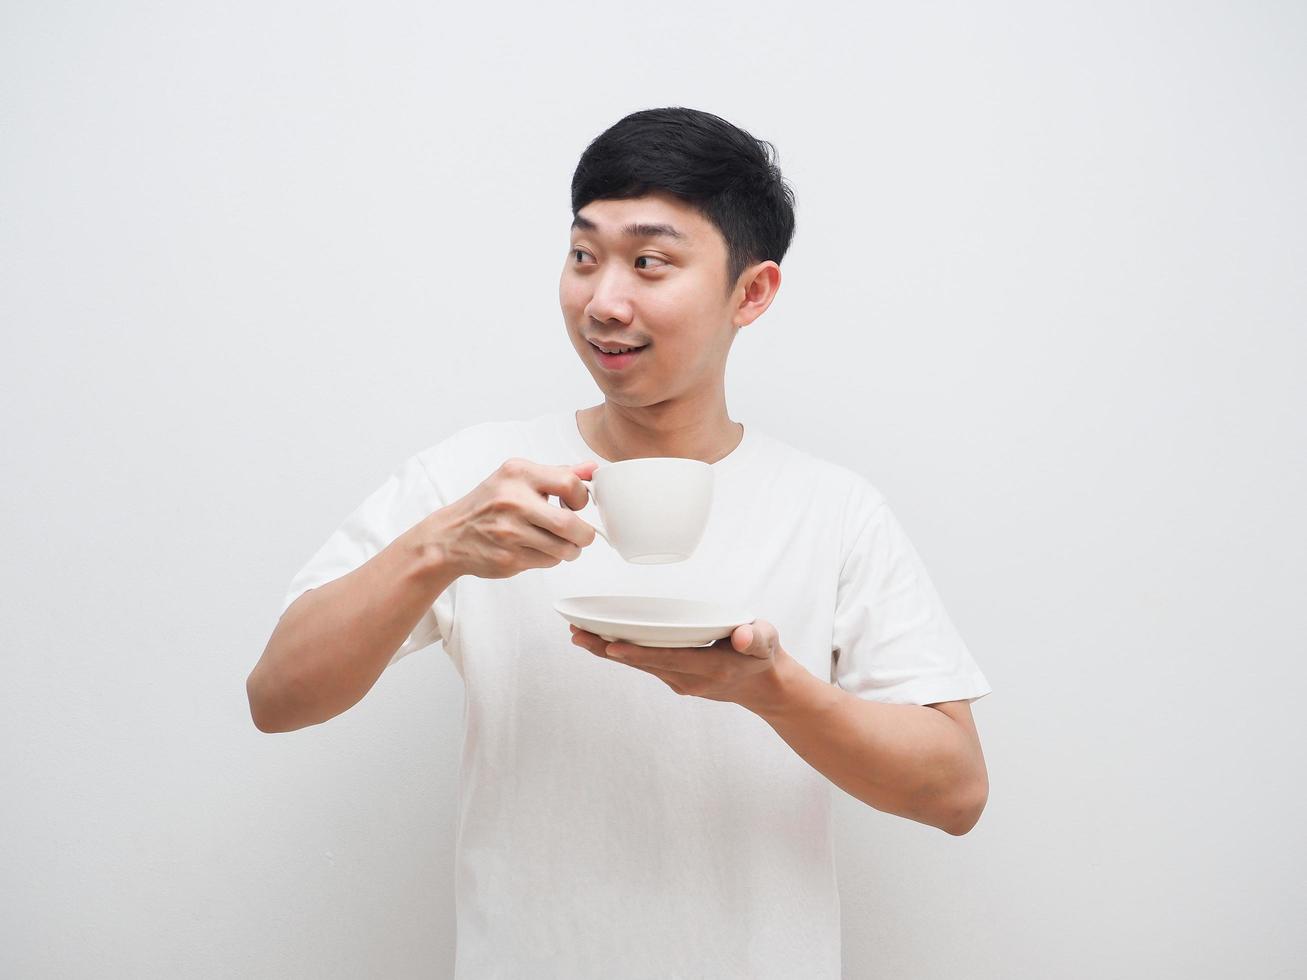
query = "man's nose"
{"x": 611, "y": 298}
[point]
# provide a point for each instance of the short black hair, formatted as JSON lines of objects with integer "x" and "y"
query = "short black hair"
{"x": 728, "y": 176}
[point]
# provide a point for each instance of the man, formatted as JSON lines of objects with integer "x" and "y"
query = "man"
{"x": 628, "y": 811}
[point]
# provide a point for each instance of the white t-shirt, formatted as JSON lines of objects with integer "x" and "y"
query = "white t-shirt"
{"x": 607, "y": 826}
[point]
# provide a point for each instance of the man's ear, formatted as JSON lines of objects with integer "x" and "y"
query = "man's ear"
{"x": 758, "y": 286}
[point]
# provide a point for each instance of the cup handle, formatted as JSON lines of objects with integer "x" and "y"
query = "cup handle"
{"x": 594, "y": 495}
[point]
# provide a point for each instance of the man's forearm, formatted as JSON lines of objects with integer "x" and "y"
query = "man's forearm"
{"x": 909, "y": 760}
{"x": 332, "y": 644}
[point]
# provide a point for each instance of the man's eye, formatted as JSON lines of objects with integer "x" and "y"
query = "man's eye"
{"x": 580, "y": 255}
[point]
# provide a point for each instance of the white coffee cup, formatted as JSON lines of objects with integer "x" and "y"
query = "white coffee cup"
{"x": 654, "y": 510}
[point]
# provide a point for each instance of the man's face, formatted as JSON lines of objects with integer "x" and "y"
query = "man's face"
{"x": 648, "y": 271}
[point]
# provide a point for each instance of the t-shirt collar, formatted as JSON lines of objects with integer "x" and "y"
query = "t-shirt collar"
{"x": 572, "y": 436}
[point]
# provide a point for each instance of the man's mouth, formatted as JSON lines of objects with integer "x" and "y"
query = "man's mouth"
{"x": 617, "y": 357}
{"x": 616, "y": 350}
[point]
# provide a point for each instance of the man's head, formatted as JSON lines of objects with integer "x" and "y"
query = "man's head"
{"x": 683, "y": 289}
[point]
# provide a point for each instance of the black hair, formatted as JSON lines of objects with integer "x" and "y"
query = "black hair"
{"x": 728, "y": 176}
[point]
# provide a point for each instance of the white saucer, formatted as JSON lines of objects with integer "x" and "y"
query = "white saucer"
{"x": 650, "y": 621}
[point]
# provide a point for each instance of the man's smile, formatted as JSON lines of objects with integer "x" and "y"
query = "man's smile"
{"x": 617, "y": 361}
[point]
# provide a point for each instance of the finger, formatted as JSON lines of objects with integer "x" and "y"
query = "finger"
{"x": 678, "y": 659}
{"x": 564, "y": 482}
{"x": 585, "y": 470}
{"x": 560, "y": 523}
{"x": 756, "y": 639}
{"x": 534, "y": 558}
{"x": 677, "y": 680}
{"x": 559, "y": 549}
{"x": 590, "y": 642}
{"x": 593, "y": 642}
{"x": 742, "y": 637}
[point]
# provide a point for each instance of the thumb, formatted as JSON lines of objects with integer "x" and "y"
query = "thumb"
{"x": 757, "y": 639}
{"x": 585, "y": 470}
{"x": 742, "y": 638}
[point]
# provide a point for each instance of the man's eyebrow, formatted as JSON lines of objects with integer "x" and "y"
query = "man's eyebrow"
{"x": 638, "y": 230}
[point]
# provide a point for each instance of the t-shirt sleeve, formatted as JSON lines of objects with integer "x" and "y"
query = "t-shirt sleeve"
{"x": 893, "y": 641}
{"x": 407, "y": 496}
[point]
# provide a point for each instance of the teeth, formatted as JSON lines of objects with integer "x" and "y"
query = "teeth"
{"x": 620, "y": 350}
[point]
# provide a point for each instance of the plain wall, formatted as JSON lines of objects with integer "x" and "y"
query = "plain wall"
{"x": 1047, "y": 293}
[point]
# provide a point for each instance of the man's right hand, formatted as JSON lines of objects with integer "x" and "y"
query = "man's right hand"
{"x": 507, "y": 523}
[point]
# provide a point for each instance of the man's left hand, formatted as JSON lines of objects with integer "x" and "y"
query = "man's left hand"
{"x": 745, "y": 667}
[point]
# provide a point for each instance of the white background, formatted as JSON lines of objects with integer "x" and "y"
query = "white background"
{"x": 1047, "y": 293}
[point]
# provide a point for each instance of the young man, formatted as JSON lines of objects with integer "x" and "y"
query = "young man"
{"x": 627, "y": 811}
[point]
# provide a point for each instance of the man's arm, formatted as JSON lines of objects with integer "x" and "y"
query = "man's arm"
{"x": 333, "y": 642}
{"x": 331, "y": 645}
{"x": 923, "y": 762}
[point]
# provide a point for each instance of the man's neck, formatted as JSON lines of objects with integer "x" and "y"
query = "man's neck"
{"x": 617, "y": 433}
